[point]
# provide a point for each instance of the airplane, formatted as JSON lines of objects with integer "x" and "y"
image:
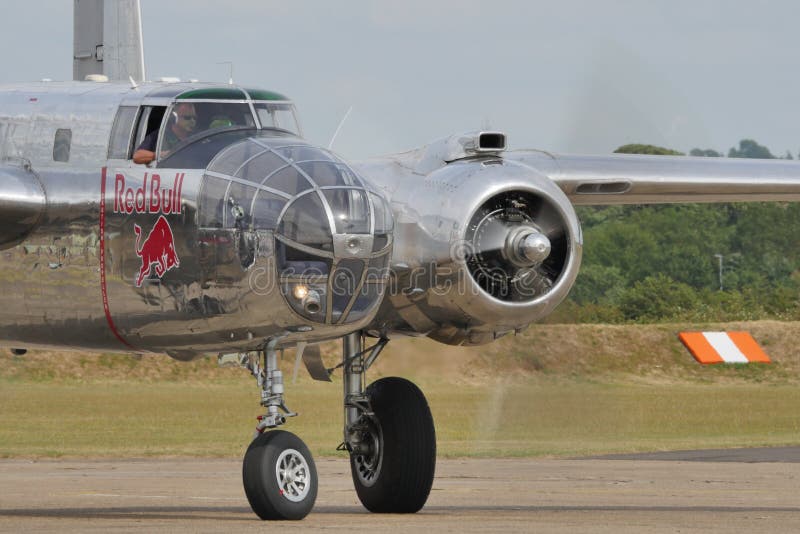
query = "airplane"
{"x": 236, "y": 237}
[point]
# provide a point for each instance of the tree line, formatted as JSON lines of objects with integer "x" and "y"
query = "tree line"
{"x": 688, "y": 262}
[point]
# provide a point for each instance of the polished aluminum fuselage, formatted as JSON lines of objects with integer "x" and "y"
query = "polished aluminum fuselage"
{"x": 70, "y": 252}
{"x": 76, "y": 254}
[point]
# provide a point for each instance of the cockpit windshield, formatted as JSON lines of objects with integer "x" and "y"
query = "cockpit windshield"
{"x": 189, "y": 119}
{"x": 277, "y": 115}
{"x": 192, "y": 118}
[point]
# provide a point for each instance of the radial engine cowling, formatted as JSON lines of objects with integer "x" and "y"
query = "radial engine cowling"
{"x": 483, "y": 247}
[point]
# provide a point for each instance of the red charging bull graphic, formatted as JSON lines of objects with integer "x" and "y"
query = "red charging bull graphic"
{"x": 158, "y": 249}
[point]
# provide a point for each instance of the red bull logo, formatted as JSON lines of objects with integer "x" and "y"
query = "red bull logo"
{"x": 158, "y": 250}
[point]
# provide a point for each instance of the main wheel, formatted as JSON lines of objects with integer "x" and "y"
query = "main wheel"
{"x": 396, "y": 474}
{"x": 280, "y": 478}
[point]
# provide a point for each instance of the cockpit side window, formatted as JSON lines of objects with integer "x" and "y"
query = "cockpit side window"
{"x": 120, "y": 145}
{"x": 149, "y": 122}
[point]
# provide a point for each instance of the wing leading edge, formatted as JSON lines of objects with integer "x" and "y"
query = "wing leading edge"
{"x": 633, "y": 179}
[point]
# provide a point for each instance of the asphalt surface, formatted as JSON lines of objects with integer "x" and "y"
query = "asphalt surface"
{"x": 691, "y": 491}
{"x": 755, "y": 455}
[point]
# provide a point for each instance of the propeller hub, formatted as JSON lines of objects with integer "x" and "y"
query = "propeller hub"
{"x": 535, "y": 247}
{"x": 526, "y": 246}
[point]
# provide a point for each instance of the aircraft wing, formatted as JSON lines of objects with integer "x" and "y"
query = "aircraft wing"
{"x": 635, "y": 179}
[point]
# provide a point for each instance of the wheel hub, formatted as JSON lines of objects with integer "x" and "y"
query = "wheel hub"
{"x": 293, "y": 475}
{"x": 368, "y": 464}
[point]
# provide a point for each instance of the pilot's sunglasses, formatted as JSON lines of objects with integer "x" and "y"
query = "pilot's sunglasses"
{"x": 189, "y": 117}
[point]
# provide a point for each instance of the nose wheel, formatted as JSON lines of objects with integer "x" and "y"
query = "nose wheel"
{"x": 280, "y": 478}
{"x": 279, "y": 475}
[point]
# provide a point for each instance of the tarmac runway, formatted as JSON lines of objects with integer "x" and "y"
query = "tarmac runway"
{"x": 692, "y": 491}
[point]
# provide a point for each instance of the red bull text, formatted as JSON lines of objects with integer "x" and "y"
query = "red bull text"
{"x": 151, "y": 197}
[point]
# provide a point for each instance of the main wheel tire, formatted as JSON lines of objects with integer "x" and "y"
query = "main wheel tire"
{"x": 280, "y": 478}
{"x": 396, "y": 477}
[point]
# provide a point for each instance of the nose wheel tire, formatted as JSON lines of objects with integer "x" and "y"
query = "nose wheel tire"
{"x": 396, "y": 474}
{"x": 280, "y": 478}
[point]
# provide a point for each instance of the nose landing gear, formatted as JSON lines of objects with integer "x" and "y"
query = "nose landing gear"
{"x": 279, "y": 475}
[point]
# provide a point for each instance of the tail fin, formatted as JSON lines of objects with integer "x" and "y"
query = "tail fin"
{"x": 107, "y": 39}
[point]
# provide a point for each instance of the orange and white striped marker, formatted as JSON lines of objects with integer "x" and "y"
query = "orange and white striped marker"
{"x": 723, "y": 347}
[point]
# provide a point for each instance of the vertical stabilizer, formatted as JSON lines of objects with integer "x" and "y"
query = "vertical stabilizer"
{"x": 108, "y": 39}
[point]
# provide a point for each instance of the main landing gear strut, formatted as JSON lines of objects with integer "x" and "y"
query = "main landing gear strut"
{"x": 388, "y": 432}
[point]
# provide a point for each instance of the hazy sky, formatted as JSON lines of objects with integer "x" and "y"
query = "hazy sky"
{"x": 568, "y": 76}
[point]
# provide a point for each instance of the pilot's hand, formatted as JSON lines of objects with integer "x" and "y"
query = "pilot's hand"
{"x": 143, "y": 157}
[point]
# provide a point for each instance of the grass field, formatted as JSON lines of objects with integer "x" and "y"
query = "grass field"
{"x": 537, "y": 419}
{"x": 519, "y": 398}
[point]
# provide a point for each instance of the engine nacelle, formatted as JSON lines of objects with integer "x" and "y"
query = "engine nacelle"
{"x": 22, "y": 202}
{"x": 483, "y": 247}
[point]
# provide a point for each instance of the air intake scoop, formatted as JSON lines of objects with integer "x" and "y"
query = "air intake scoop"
{"x": 473, "y": 144}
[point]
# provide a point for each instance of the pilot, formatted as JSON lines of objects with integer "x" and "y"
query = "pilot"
{"x": 181, "y": 125}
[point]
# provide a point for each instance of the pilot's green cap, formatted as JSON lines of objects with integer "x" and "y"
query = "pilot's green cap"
{"x": 222, "y": 122}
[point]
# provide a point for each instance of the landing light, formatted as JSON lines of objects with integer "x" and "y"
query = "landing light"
{"x": 300, "y": 291}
